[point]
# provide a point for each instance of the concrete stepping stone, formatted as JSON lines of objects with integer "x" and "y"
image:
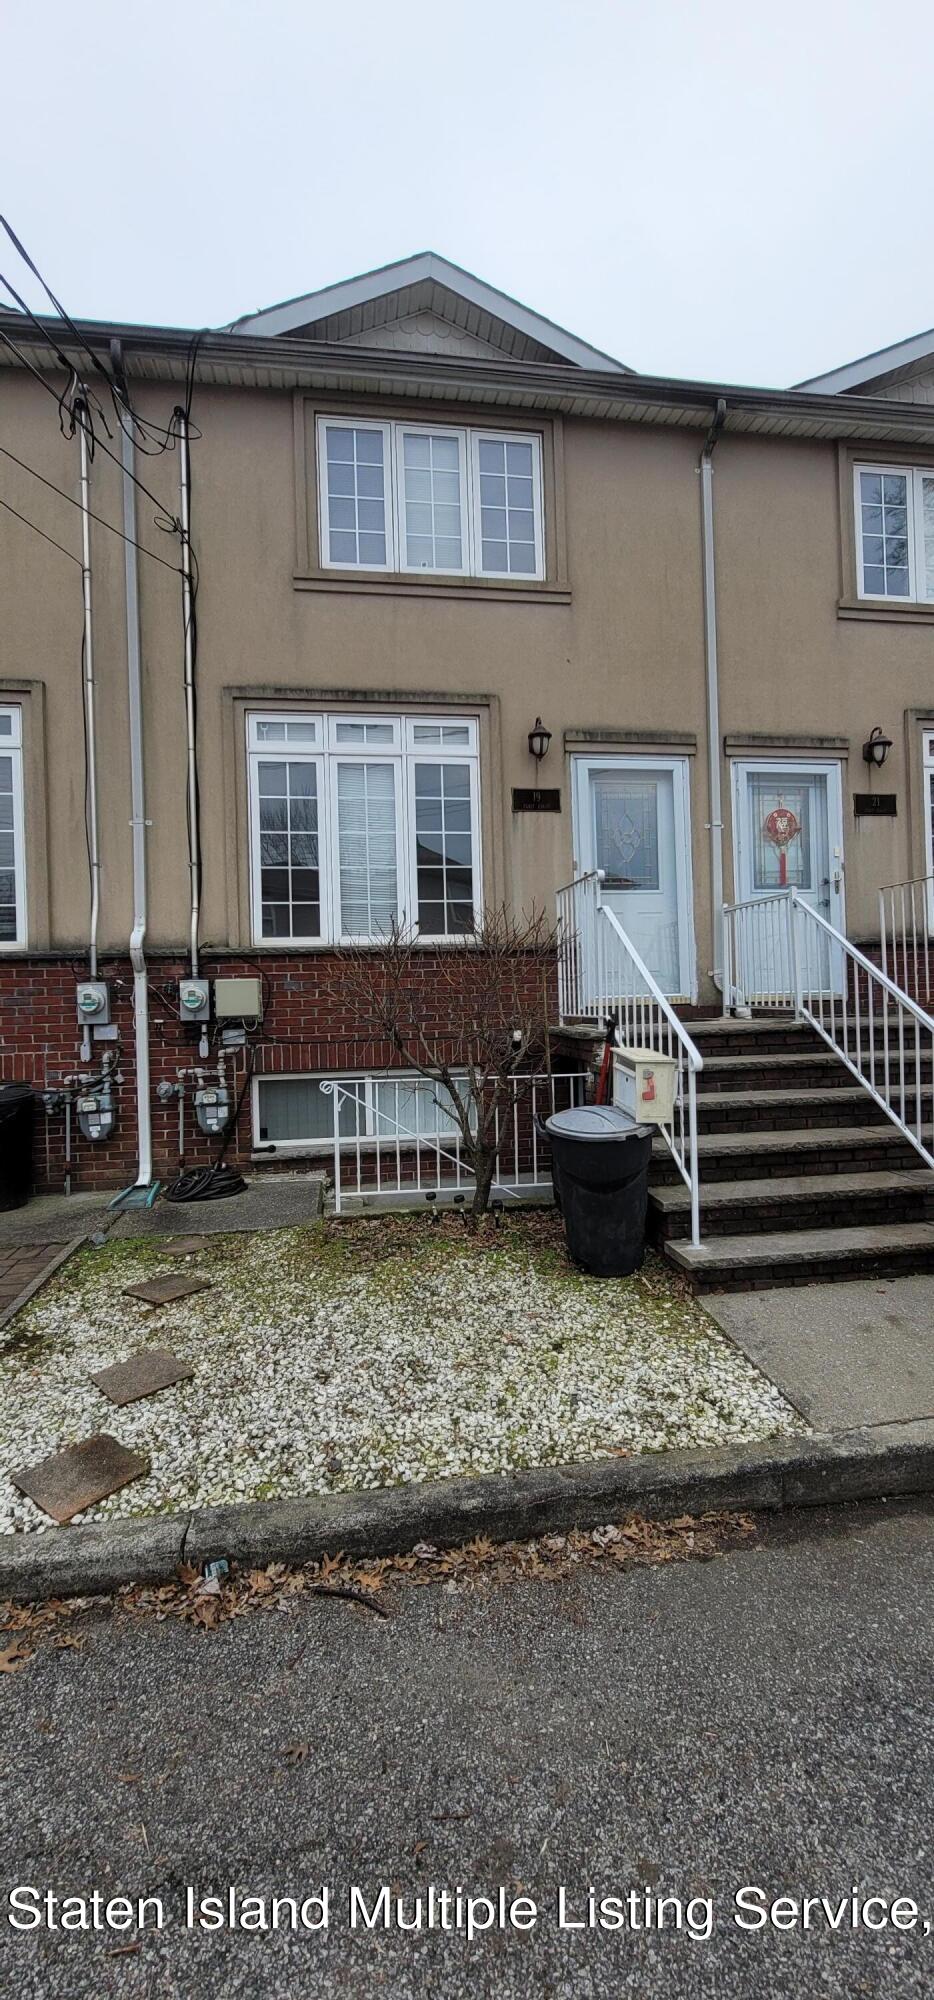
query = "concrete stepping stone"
{"x": 183, "y": 1246}
{"x": 162, "y": 1291}
{"x": 74, "y": 1479}
{"x": 141, "y": 1374}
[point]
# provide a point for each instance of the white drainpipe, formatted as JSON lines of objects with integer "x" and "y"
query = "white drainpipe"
{"x": 188, "y": 617}
{"x": 715, "y": 822}
{"x": 137, "y": 808}
{"x": 81, "y": 414}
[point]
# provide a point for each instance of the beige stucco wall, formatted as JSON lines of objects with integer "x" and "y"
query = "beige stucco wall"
{"x": 626, "y": 653}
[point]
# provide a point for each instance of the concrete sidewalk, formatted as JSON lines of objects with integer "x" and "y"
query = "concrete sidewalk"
{"x": 847, "y": 1356}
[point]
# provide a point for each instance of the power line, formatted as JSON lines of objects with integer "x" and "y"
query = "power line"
{"x": 41, "y": 531}
{"x": 70, "y": 497}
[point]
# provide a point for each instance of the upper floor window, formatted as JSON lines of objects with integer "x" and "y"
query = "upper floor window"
{"x": 359, "y": 821}
{"x": 895, "y": 531}
{"x": 12, "y": 850}
{"x": 429, "y": 499}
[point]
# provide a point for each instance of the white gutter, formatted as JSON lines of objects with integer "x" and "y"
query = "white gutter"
{"x": 138, "y": 810}
{"x": 188, "y": 618}
{"x": 714, "y": 797}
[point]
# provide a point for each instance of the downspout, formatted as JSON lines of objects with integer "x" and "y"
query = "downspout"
{"x": 87, "y": 695}
{"x": 188, "y": 618}
{"x": 137, "y": 796}
{"x": 715, "y": 806}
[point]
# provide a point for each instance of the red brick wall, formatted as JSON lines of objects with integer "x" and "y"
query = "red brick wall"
{"x": 307, "y": 1028}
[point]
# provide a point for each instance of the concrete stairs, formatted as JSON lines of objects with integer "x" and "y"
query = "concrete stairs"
{"x": 803, "y": 1178}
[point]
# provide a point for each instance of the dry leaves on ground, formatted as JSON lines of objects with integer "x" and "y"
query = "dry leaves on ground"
{"x": 207, "y": 1602}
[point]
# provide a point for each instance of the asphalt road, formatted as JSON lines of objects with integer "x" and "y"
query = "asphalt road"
{"x": 764, "y": 1719}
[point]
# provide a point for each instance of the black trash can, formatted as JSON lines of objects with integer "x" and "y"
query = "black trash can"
{"x": 600, "y": 1166}
{"x": 17, "y": 1111}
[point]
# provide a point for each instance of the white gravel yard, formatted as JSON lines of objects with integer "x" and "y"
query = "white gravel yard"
{"x": 366, "y": 1353}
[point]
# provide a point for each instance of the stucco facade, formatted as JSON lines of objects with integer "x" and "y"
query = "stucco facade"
{"x": 608, "y": 648}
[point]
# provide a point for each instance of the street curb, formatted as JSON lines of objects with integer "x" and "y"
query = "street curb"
{"x": 48, "y": 1271}
{"x": 871, "y": 1464}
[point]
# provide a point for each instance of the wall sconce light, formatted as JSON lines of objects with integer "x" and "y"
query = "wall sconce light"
{"x": 539, "y": 739}
{"x": 876, "y": 749}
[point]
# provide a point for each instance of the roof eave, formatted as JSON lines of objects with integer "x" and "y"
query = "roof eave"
{"x": 246, "y": 361}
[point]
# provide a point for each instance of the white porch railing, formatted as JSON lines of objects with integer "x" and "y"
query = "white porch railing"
{"x": 601, "y": 974}
{"x": 782, "y": 953}
{"x": 414, "y": 1157}
{"x": 905, "y": 934}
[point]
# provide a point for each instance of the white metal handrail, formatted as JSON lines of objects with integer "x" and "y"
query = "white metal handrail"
{"x": 905, "y": 934}
{"x": 883, "y": 1036}
{"x": 758, "y": 968}
{"x": 601, "y": 974}
{"x": 401, "y": 1157}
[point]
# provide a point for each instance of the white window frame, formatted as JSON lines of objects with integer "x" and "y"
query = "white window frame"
{"x": 367, "y": 1138}
{"x": 12, "y": 745}
{"x": 401, "y": 431}
{"x": 915, "y": 476}
{"x": 927, "y": 766}
{"x": 469, "y": 441}
{"x": 346, "y": 423}
{"x": 404, "y": 753}
{"x": 509, "y": 437}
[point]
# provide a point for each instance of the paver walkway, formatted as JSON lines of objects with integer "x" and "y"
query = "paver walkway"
{"x": 23, "y": 1267}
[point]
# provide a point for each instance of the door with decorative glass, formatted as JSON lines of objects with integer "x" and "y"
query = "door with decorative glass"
{"x": 788, "y": 833}
{"x": 632, "y": 821}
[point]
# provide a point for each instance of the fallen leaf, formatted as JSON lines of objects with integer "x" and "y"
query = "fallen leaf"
{"x": 295, "y": 1753}
{"x": 14, "y": 1657}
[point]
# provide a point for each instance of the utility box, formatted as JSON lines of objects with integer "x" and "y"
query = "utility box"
{"x": 238, "y": 999}
{"x": 644, "y": 1084}
{"x": 92, "y": 998}
{"x": 194, "y": 1000}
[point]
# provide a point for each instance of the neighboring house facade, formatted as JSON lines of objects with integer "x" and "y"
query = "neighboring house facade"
{"x": 424, "y": 518}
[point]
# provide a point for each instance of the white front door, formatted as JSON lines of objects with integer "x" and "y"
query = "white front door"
{"x": 631, "y": 820}
{"x": 788, "y": 833}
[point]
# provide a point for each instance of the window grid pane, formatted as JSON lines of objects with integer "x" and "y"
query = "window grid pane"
{"x": 289, "y": 857}
{"x": 444, "y": 849}
{"x": 9, "y": 841}
{"x": 366, "y": 838}
{"x": 356, "y": 490}
{"x": 506, "y": 472}
{"x": 884, "y": 520}
{"x": 927, "y": 531}
{"x": 431, "y": 480}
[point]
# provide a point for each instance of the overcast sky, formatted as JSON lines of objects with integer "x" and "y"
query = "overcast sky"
{"x": 738, "y": 192}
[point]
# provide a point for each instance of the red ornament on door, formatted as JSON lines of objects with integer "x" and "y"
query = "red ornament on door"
{"x": 781, "y": 827}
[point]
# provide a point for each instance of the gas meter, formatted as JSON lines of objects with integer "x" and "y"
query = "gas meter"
{"x": 212, "y": 1107}
{"x": 95, "y": 1109}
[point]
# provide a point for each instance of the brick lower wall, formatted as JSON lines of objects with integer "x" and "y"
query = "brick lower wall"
{"x": 308, "y": 1027}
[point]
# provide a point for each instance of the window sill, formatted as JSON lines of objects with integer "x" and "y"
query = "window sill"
{"x": 886, "y": 614}
{"x": 475, "y": 589}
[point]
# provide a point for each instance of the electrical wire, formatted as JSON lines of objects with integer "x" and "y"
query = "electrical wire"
{"x": 70, "y": 497}
{"x": 41, "y": 531}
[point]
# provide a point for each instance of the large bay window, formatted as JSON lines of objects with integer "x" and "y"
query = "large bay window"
{"x": 432, "y": 499}
{"x": 895, "y": 532}
{"x": 361, "y": 821}
{"x": 12, "y": 846}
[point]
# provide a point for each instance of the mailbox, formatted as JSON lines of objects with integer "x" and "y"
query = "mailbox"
{"x": 644, "y": 1084}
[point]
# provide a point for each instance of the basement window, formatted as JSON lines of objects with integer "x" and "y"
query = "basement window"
{"x": 430, "y": 500}
{"x": 293, "y": 1113}
{"x": 12, "y": 840}
{"x": 895, "y": 532}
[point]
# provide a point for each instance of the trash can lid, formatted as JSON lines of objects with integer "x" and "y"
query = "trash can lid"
{"x": 15, "y": 1093}
{"x": 595, "y": 1121}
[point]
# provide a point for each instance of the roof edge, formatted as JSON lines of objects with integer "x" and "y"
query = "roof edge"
{"x": 274, "y": 321}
